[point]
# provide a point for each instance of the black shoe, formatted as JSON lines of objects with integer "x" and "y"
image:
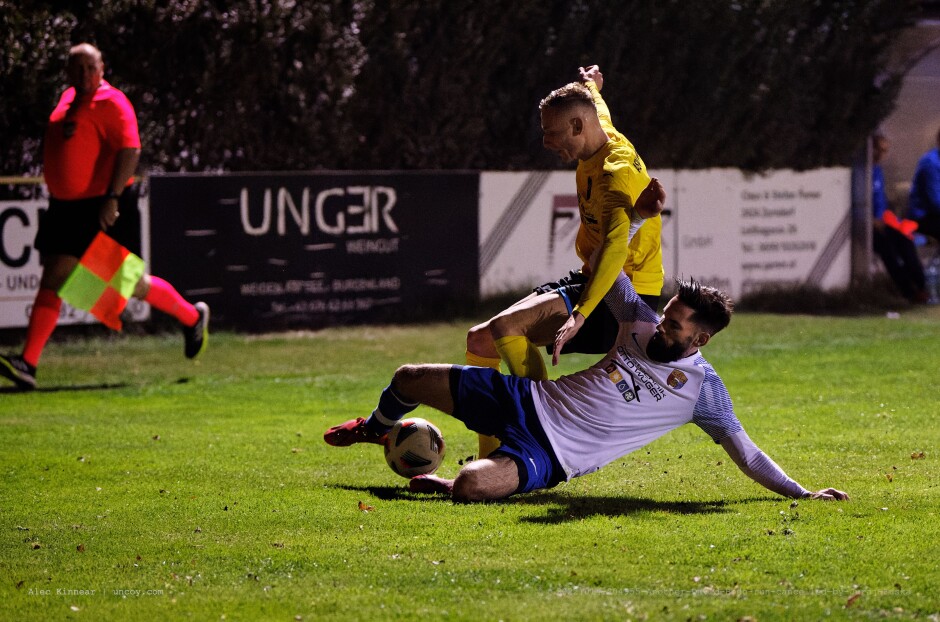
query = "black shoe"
{"x": 19, "y": 371}
{"x": 197, "y": 336}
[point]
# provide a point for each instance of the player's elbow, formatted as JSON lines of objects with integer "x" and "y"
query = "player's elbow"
{"x": 651, "y": 201}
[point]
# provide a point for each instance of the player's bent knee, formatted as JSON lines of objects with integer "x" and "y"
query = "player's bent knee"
{"x": 468, "y": 488}
{"x": 406, "y": 379}
{"x": 486, "y": 479}
{"x": 413, "y": 383}
{"x": 142, "y": 288}
{"x": 504, "y": 325}
{"x": 479, "y": 340}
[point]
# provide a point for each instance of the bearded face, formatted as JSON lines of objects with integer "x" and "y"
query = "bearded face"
{"x": 661, "y": 350}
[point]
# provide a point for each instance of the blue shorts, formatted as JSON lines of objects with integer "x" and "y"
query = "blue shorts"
{"x": 496, "y": 405}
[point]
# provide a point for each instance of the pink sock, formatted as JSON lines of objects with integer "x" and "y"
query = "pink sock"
{"x": 42, "y": 321}
{"x": 164, "y": 297}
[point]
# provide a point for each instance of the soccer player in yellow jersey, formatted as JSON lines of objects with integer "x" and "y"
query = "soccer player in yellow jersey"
{"x": 619, "y": 231}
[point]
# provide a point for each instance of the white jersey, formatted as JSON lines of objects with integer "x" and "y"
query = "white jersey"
{"x": 627, "y": 400}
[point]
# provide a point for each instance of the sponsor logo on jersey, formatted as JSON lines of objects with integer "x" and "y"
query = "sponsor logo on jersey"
{"x": 627, "y": 389}
{"x": 677, "y": 379}
{"x": 615, "y": 376}
{"x": 634, "y": 367}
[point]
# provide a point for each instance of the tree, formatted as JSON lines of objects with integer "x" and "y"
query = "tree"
{"x": 408, "y": 84}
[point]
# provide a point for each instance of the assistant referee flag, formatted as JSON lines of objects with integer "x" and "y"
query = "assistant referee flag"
{"x": 104, "y": 280}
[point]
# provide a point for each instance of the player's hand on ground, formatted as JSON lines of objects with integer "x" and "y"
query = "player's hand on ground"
{"x": 830, "y": 494}
{"x": 571, "y": 327}
{"x": 592, "y": 73}
{"x": 651, "y": 201}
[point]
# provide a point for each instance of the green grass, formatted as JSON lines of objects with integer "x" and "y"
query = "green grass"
{"x": 208, "y": 485}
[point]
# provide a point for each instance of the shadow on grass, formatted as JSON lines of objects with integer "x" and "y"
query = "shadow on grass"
{"x": 71, "y": 387}
{"x": 389, "y": 493}
{"x": 561, "y": 508}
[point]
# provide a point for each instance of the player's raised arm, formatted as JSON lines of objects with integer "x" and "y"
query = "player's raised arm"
{"x": 758, "y": 466}
{"x": 593, "y": 79}
{"x": 592, "y": 73}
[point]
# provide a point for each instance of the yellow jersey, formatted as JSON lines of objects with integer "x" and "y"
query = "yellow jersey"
{"x": 608, "y": 184}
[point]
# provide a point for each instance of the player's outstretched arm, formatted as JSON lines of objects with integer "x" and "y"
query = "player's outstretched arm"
{"x": 593, "y": 74}
{"x": 758, "y": 466}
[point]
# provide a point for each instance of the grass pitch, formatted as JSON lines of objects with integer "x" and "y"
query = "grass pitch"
{"x": 139, "y": 486}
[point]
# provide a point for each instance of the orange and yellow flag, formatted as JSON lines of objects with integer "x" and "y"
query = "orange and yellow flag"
{"x": 103, "y": 281}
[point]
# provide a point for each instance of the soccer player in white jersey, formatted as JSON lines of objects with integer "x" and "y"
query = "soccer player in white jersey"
{"x": 653, "y": 380}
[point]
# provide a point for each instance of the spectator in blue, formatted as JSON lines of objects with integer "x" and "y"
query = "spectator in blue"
{"x": 924, "y": 202}
{"x": 896, "y": 249}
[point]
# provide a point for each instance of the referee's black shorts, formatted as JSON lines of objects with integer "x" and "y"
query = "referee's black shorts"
{"x": 599, "y": 331}
{"x": 68, "y": 227}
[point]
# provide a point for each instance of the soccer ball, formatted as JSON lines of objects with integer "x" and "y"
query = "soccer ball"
{"x": 414, "y": 447}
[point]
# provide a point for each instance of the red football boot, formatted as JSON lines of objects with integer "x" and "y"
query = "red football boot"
{"x": 352, "y": 432}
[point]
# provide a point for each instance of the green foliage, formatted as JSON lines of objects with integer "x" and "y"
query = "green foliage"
{"x": 381, "y": 84}
{"x": 209, "y": 485}
{"x": 31, "y": 72}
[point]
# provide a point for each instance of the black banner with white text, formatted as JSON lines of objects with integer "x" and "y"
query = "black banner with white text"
{"x": 269, "y": 251}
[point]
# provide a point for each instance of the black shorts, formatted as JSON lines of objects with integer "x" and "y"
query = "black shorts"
{"x": 599, "y": 332}
{"x": 68, "y": 227}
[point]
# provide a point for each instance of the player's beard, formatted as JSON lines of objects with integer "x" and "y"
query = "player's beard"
{"x": 661, "y": 352}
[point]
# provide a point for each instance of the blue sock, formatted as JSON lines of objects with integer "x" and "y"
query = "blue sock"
{"x": 391, "y": 409}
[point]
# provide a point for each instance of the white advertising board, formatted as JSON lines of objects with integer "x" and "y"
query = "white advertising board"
{"x": 741, "y": 233}
{"x": 20, "y": 269}
{"x": 528, "y": 223}
{"x": 734, "y": 231}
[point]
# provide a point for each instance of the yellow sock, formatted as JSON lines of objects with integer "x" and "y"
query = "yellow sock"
{"x": 522, "y": 357}
{"x": 482, "y": 361}
{"x": 488, "y": 444}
